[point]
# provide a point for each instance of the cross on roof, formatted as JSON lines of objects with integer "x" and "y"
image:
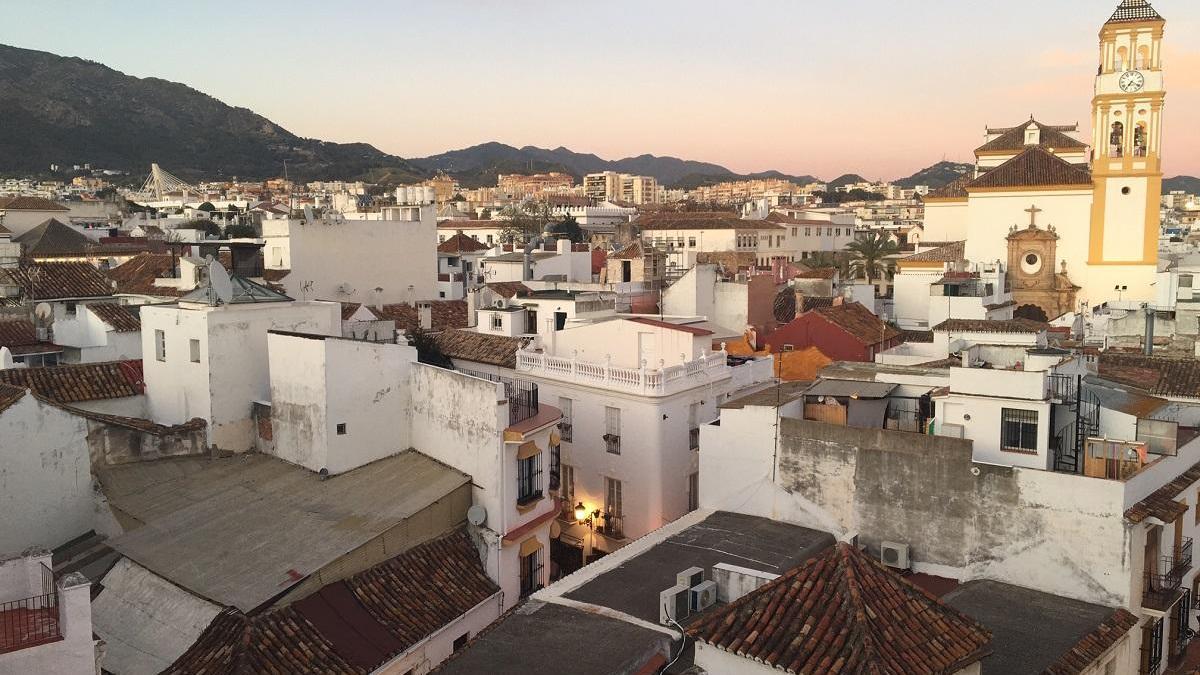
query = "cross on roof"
{"x": 1033, "y": 210}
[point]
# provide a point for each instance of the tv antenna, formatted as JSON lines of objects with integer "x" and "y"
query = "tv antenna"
{"x": 220, "y": 286}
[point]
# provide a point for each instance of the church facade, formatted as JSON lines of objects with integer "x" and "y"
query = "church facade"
{"x": 1077, "y": 224}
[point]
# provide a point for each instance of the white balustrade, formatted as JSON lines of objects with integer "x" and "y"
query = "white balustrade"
{"x": 651, "y": 381}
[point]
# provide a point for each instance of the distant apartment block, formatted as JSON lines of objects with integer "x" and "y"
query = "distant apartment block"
{"x": 518, "y": 185}
{"x": 621, "y": 187}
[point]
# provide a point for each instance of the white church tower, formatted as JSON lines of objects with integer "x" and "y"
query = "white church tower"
{"x": 1126, "y": 145}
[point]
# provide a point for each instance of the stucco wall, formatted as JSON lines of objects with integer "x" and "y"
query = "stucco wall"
{"x": 109, "y": 444}
{"x": 399, "y": 257}
{"x": 1058, "y": 533}
{"x": 45, "y": 476}
{"x": 430, "y": 652}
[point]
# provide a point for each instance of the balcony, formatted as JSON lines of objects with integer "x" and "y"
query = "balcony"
{"x": 566, "y": 430}
{"x": 612, "y": 443}
{"x": 1162, "y": 589}
{"x": 694, "y": 439}
{"x": 522, "y": 395}
{"x": 1060, "y": 387}
{"x": 31, "y": 621}
{"x": 646, "y": 381}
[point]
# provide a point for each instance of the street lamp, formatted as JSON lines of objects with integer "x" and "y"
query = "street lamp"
{"x": 583, "y": 517}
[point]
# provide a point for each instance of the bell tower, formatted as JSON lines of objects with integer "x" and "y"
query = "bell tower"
{"x": 1127, "y": 138}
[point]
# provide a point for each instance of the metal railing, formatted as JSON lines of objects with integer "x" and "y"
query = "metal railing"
{"x": 522, "y": 395}
{"x": 1061, "y": 387}
{"x": 1181, "y": 562}
{"x": 31, "y": 621}
{"x": 612, "y": 443}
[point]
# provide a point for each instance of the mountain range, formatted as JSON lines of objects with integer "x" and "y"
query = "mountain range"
{"x": 68, "y": 110}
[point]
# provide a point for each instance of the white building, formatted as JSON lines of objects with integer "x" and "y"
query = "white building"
{"x": 685, "y": 235}
{"x": 208, "y": 360}
{"x": 562, "y": 264}
{"x": 633, "y": 393}
{"x": 338, "y": 404}
{"x": 47, "y": 621}
{"x": 385, "y": 260}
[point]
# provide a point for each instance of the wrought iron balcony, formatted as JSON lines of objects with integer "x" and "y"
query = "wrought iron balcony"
{"x": 31, "y": 621}
{"x": 1161, "y": 588}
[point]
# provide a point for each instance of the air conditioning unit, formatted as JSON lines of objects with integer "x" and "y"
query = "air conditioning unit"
{"x": 674, "y": 604}
{"x": 704, "y": 595}
{"x": 894, "y": 555}
{"x": 691, "y": 577}
{"x": 499, "y": 303}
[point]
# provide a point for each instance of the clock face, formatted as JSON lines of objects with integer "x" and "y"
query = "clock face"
{"x": 1132, "y": 81}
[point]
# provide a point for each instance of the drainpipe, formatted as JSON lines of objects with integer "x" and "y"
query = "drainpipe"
{"x": 1148, "y": 348}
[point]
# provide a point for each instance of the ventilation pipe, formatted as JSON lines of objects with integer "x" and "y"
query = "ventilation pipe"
{"x": 1148, "y": 348}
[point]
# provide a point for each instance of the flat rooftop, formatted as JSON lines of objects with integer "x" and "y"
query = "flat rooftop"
{"x": 1031, "y": 630}
{"x": 541, "y": 637}
{"x": 722, "y": 537}
{"x": 773, "y": 397}
{"x": 241, "y": 530}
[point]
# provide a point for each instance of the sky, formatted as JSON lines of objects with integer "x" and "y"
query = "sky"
{"x": 876, "y": 87}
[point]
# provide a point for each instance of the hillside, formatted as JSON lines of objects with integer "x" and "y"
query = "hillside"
{"x": 936, "y": 176}
{"x": 846, "y": 179}
{"x": 1189, "y": 184}
{"x": 60, "y": 110}
{"x": 479, "y": 164}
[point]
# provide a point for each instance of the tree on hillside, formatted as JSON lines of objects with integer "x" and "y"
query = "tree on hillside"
{"x": 240, "y": 231}
{"x": 868, "y": 256}
{"x": 207, "y": 207}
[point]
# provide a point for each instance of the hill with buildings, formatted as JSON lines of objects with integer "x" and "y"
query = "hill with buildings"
{"x": 936, "y": 176}
{"x": 1188, "y": 184}
{"x": 66, "y": 111}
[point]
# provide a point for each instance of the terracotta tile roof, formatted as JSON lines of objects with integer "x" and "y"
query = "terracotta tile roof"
{"x": 425, "y": 588}
{"x": 1157, "y": 375}
{"x": 670, "y": 326}
{"x": 1161, "y": 503}
{"x": 732, "y": 260}
{"x": 50, "y": 280}
{"x": 20, "y": 336}
{"x": 843, "y": 612}
{"x": 30, "y": 204}
{"x": 953, "y": 252}
{"x": 1092, "y": 646}
{"x": 701, "y": 220}
{"x": 9, "y": 395}
{"x": 859, "y": 322}
{"x": 52, "y": 238}
{"x": 121, "y": 318}
{"x": 138, "y": 423}
{"x": 812, "y": 302}
{"x": 817, "y": 273}
{"x": 461, "y": 243}
{"x": 279, "y": 642}
{"x": 955, "y": 189}
{"x": 497, "y": 350}
{"x": 473, "y": 225}
{"x": 446, "y": 314}
{"x": 349, "y": 626}
{"x": 136, "y": 276}
{"x": 509, "y": 289}
{"x": 631, "y": 251}
{"x": 274, "y": 276}
{"x": 1013, "y": 138}
{"x": 986, "y": 326}
{"x": 80, "y": 382}
{"x": 1034, "y": 167}
{"x": 917, "y": 335}
{"x": 349, "y": 308}
{"x": 1134, "y": 10}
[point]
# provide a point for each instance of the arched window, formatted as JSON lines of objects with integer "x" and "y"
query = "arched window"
{"x": 1143, "y": 57}
{"x": 1139, "y": 140}
{"x": 1116, "y": 140}
{"x": 1122, "y": 59}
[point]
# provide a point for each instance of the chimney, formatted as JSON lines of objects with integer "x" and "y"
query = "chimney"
{"x": 472, "y": 306}
{"x": 425, "y": 315}
{"x": 799, "y": 303}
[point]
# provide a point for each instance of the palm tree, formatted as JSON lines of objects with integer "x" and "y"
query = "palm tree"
{"x": 821, "y": 260}
{"x": 869, "y": 254}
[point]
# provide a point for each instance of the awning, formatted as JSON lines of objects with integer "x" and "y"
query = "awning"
{"x": 528, "y": 449}
{"x": 851, "y": 388}
{"x": 866, "y": 413}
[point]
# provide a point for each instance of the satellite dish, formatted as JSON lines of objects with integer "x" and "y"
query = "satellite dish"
{"x": 219, "y": 283}
{"x": 6, "y": 360}
{"x": 477, "y": 515}
{"x": 43, "y": 311}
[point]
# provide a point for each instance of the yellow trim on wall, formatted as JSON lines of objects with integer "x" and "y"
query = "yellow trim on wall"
{"x": 1082, "y": 187}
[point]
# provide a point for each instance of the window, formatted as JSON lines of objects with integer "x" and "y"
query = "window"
{"x": 194, "y": 349}
{"x": 568, "y": 486}
{"x": 497, "y": 322}
{"x": 1018, "y": 430}
{"x": 693, "y": 491}
{"x": 555, "y": 466}
{"x": 71, "y": 309}
{"x": 829, "y": 232}
{"x": 612, "y": 507}
{"x": 694, "y": 426}
{"x": 531, "y": 571}
{"x": 612, "y": 430}
{"x": 461, "y": 641}
{"x": 160, "y": 345}
{"x": 565, "y": 427}
{"x": 489, "y": 239}
{"x": 441, "y": 238}
{"x": 691, "y": 242}
{"x": 341, "y": 429}
{"x": 441, "y": 294}
{"x": 529, "y": 479}
{"x": 1152, "y": 642}
{"x": 808, "y": 231}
